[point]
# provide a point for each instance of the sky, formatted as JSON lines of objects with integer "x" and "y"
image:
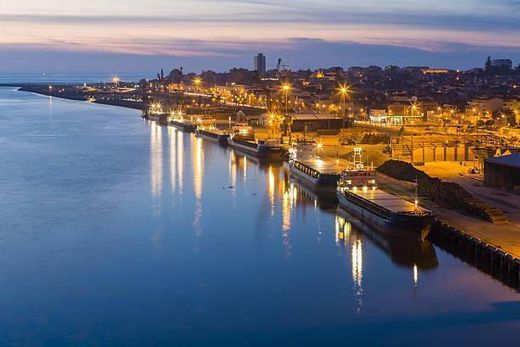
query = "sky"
{"x": 115, "y": 36}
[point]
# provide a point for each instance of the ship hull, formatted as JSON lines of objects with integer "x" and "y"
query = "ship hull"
{"x": 323, "y": 184}
{"x": 186, "y": 127}
{"x": 259, "y": 151}
{"x": 159, "y": 118}
{"x": 208, "y": 135}
{"x": 414, "y": 227}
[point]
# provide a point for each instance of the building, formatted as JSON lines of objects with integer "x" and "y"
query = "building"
{"x": 486, "y": 105}
{"x": 498, "y": 66}
{"x": 259, "y": 64}
{"x": 502, "y": 64}
{"x": 503, "y": 172}
{"x": 514, "y": 106}
{"x": 318, "y": 122}
{"x": 313, "y": 122}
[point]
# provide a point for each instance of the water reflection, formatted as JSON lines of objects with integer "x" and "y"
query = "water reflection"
{"x": 350, "y": 231}
{"x": 156, "y": 160}
{"x": 173, "y": 157}
{"x": 197, "y": 160}
{"x": 357, "y": 271}
{"x": 402, "y": 252}
{"x": 232, "y": 167}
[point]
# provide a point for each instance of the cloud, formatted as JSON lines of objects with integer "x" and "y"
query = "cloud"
{"x": 231, "y": 28}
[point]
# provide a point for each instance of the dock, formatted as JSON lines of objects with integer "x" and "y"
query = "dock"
{"x": 493, "y": 248}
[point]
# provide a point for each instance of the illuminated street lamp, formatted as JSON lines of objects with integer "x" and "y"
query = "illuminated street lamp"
{"x": 197, "y": 81}
{"x": 344, "y": 91}
{"x": 414, "y": 108}
{"x": 116, "y": 79}
{"x": 286, "y": 89}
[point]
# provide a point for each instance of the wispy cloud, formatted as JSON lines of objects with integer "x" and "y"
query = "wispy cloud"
{"x": 227, "y": 28}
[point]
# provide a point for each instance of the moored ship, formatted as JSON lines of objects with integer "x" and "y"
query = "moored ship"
{"x": 207, "y": 129}
{"x": 155, "y": 113}
{"x": 179, "y": 121}
{"x": 358, "y": 194}
{"x": 308, "y": 168}
{"x": 242, "y": 138}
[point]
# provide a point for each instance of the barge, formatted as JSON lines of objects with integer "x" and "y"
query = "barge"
{"x": 308, "y": 168}
{"x": 177, "y": 119}
{"x": 207, "y": 129}
{"x": 183, "y": 125}
{"x": 242, "y": 138}
{"x": 155, "y": 113}
{"x": 358, "y": 194}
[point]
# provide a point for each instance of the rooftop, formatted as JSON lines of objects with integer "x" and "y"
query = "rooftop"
{"x": 313, "y": 116}
{"x": 512, "y": 160}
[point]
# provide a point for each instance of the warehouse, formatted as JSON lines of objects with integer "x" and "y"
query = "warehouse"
{"x": 503, "y": 172}
{"x": 315, "y": 122}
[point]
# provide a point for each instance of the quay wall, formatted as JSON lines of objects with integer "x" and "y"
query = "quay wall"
{"x": 484, "y": 256}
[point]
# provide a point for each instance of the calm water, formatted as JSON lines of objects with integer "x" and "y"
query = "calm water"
{"x": 118, "y": 232}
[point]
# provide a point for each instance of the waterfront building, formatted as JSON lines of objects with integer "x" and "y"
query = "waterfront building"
{"x": 503, "y": 172}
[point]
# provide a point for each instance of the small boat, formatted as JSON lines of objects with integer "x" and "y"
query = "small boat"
{"x": 242, "y": 138}
{"x": 358, "y": 194}
{"x": 207, "y": 129}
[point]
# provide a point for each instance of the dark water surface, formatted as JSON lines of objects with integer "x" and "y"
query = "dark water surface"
{"x": 115, "y": 231}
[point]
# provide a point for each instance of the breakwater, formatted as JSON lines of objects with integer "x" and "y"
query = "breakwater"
{"x": 112, "y": 99}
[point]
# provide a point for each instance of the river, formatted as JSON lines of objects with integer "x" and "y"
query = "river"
{"x": 116, "y": 231}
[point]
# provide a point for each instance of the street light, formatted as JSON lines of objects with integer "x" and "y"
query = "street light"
{"x": 286, "y": 89}
{"x": 344, "y": 91}
{"x": 197, "y": 81}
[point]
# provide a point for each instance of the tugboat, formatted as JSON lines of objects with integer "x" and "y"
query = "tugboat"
{"x": 357, "y": 193}
{"x": 242, "y": 138}
{"x": 207, "y": 129}
{"x": 308, "y": 168}
{"x": 178, "y": 120}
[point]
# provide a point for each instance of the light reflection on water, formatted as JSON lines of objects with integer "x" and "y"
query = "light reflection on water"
{"x": 118, "y": 231}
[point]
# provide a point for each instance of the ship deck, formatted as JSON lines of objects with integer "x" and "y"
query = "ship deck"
{"x": 391, "y": 202}
{"x": 326, "y": 168}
